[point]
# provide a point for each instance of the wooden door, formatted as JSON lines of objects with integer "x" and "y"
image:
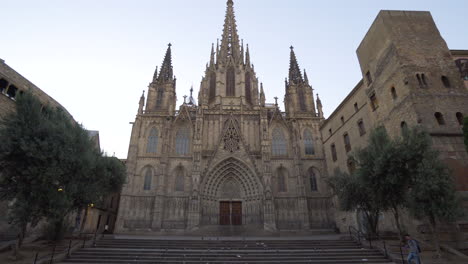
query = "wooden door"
{"x": 236, "y": 214}
{"x": 224, "y": 213}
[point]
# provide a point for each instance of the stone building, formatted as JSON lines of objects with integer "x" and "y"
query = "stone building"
{"x": 233, "y": 159}
{"x": 410, "y": 78}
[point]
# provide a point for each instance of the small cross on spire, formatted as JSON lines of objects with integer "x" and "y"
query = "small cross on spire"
{"x": 291, "y": 47}
{"x": 185, "y": 97}
{"x": 169, "y": 44}
{"x": 276, "y": 101}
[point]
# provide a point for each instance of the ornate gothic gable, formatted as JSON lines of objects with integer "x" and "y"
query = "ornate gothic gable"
{"x": 231, "y": 138}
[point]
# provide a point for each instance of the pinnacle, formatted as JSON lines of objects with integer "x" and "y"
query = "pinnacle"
{"x": 166, "y": 72}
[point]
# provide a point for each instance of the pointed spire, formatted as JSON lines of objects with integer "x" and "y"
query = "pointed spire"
{"x": 230, "y": 39}
{"x": 155, "y": 75}
{"x": 319, "y": 106}
{"x": 212, "y": 58}
{"x": 306, "y": 79}
{"x": 141, "y": 103}
{"x": 262, "y": 95}
{"x": 242, "y": 51}
{"x": 295, "y": 75}
{"x": 191, "y": 99}
{"x": 166, "y": 73}
{"x": 247, "y": 56}
{"x": 217, "y": 51}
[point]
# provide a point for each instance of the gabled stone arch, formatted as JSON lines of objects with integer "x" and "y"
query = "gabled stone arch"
{"x": 228, "y": 169}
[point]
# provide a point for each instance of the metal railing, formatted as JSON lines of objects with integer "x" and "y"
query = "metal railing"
{"x": 49, "y": 257}
{"x": 359, "y": 237}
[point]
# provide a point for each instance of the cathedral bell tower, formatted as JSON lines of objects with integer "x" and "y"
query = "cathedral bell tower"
{"x": 299, "y": 97}
{"x": 230, "y": 80}
{"x": 162, "y": 90}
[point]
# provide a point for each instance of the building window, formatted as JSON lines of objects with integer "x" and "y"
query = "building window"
{"x": 462, "y": 65}
{"x": 423, "y": 79}
{"x": 183, "y": 141}
{"x": 333, "y": 152}
{"x": 374, "y": 102}
{"x": 394, "y": 94}
{"x": 11, "y": 92}
{"x": 445, "y": 81}
{"x": 281, "y": 173}
{"x": 330, "y": 131}
{"x": 3, "y": 85}
{"x": 308, "y": 143}
{"x": 312, "y": 180}
{"x": 356, "y": 108}
{"x": 369, "y": 78}
{"x": 230, "y": 81}
{"x": 342, "y": 120}
{"x": 440, "y": 118}
{"x": 212, "y": 86}
{"x": 278, "y": 143}
{"x": 362, "y": 129}
{"x": 148, "y": 179}
{"x": 459, "y": 118}
{"x": 180, "y": 179}
{"x": 347, "y": 142}
{"x": 152, "y": 144}
{"x": 248, "y": 88}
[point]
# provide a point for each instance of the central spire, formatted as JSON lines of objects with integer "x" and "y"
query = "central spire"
{"x": 230, "y": 46}
{"x": 295, "y": 75}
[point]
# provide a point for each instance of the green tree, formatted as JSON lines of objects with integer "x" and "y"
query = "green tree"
{"x": 432, "y": 196}
{"x": 354, "y": 195}
{"x": 49, "y": 166}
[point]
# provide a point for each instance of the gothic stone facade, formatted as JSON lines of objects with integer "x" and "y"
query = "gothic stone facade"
{"x": 231, "y": 159}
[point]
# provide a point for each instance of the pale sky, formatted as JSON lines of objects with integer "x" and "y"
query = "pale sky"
{"x": 96, "y": 57}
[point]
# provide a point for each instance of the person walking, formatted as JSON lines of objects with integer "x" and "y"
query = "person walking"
{"x": 414, "y": 250}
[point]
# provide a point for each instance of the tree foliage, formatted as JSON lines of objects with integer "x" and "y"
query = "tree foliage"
{"x": 398, "y": 173}
{"x": 49, "y": 165}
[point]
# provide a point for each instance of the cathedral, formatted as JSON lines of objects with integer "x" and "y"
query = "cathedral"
{"x": 228, "y": 158}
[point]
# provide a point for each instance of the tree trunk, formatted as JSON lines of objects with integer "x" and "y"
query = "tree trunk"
{"x": 83, "y": 221}
{"x": 435, "y": 237}
{"x": 396, "y": 214}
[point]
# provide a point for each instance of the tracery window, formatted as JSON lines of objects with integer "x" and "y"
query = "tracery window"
{"x": 148, "y": 179}
{"x": 278, "y": 144}
{"x": 459, "y": 116}
{"x": 183, "y": 141}
{"x": 308, "y": 143}
{"x": 231, "y": 138}
{"x": 152, "y": 144}
{"x": 159, "y": 98}
{"x": 312, "y": 180}
{"x": 230, "y": 81}
{"x": 179, "y": 179}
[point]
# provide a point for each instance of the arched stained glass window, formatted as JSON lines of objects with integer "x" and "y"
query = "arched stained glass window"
{"x": 148, "y": 179}
{"x": 308, "y": 143}
{"x": 179, "y": 179}
{"x": 183, "y": 141}
{"x": 152, "y": 144}
{"x": 278, "y": 144}
{"x": 313, "y": 180}
{"x": 282, "y": 173}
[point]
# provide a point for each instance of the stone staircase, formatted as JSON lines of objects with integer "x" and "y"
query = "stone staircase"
{"x": 280, "y": 250}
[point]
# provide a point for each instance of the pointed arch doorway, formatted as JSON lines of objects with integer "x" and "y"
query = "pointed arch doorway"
{"x": 231, "y": 195}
